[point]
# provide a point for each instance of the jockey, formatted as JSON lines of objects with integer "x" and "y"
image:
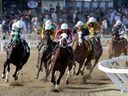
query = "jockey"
{"x": 93, "y": 27}
{"x": 53, "y": 28}
{"x": 42, "y": 34}
{"x": 79, "y": 27}
{"x": 19, "y": 27}
{"x": 119, "y": 29}
{"x": 64, "y": 29}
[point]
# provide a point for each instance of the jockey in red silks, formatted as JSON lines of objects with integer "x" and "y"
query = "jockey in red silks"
{"x": 64, "y": 29}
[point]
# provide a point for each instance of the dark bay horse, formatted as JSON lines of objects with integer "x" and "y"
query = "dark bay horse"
{"x": 16, "y": 55}
{"x": 85, "y": 50}
{"x": 61, "y": 61}
{"x": 44, "y": 54}
{"x": 117, "y": 46}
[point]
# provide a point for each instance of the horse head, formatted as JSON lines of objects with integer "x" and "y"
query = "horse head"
{"x": 63, "y": 40}
{"x": 47, "y": 39}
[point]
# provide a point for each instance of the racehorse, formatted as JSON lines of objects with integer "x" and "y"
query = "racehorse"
{"x": 61, "y": 61}
{"x": 44, "y": 54}
{"x": 117, "y": 46}
{"x": 84, "y": 49}
{"x": 16, "y": 55}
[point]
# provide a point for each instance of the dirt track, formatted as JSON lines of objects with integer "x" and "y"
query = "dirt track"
{"x": 99, "y": 85}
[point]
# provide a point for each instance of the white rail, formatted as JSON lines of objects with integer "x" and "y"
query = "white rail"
{"x": 116, "y": 71}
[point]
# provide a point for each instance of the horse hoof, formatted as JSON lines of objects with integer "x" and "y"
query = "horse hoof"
{"x": 3, "y": 76}
{"x": 53, "y": 82}
{"x": 36, "y": 77}
{"x": 77, "y": 74}
{"x": 82, "y": 73}
{"x": 67, "y": 82}
{"x": 15, "y": 78}
{"x": 7, "y": 81}
{"x": 55, "y": 90}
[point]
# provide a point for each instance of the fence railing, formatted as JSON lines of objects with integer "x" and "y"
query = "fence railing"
{"x": 116, "y": 70}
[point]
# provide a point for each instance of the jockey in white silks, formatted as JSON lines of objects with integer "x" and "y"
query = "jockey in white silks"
{"x": 119, "y": 29}
{"x": 19, "y": 27}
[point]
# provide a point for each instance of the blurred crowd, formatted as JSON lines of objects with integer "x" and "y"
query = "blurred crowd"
{"x": 35, "y": 20}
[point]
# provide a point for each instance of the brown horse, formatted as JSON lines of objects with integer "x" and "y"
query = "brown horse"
{"x": 85, "y": 50}
{"x": 61, "y": 61}
{"x": 44, "y": 54}
{"x": 117, "y": 46}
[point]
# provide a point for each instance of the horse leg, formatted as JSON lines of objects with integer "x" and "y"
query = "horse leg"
{"x": 7, "y": 74}
{"x": 53, "y": 77}
{"x": 79, "y": 70}
{"x": 68, "y": 74}
{"x": 16, "y": 73}
{"x": 40, "y": 62}
{"x": 110, "y": 52}
{"x": 38, "y": 59}
{"x": 88, "y": 61}
{"x": 50, "y": 67}
{"x": 46, "y": 71}
{"x": 96, "y": 61}
{"x": 58, "y": 81}
{"x": 73, "y": 69}
{"x": 4, "y": 71}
